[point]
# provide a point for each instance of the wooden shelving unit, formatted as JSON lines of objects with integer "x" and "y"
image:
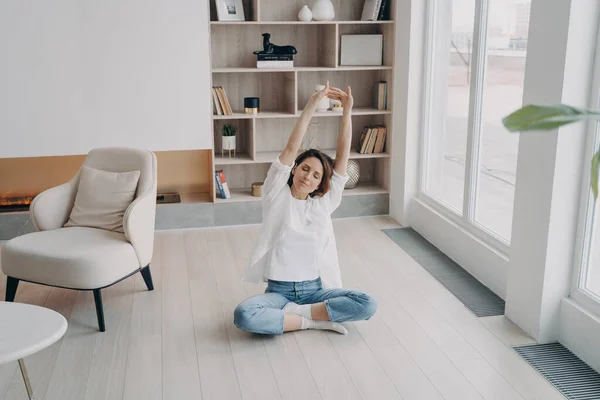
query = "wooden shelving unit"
{"x": 284, "y": 92}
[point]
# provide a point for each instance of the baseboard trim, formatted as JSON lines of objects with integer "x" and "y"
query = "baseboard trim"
{"x": 204, "y": 215}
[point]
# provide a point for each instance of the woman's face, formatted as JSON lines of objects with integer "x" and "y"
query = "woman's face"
{"x": 308, "y": 175}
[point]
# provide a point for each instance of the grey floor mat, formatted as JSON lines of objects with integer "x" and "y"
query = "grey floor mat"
{"x": 569, "y": 374}
{"x": 472, "y": 293}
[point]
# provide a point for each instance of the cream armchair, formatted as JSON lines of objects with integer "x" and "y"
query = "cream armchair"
{"x": 81, "y": 257}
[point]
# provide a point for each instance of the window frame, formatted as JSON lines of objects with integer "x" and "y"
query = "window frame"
{"x": 466, "y": 220}
{"x": 585, "y": 234}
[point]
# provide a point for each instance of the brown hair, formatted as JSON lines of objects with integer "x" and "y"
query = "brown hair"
{"x": 327, "y": 163}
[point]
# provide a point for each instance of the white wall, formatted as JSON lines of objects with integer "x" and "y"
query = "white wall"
{"x": 78, "y": 74}
{"x": 546, "y": 191}
{"x": 408, "y": 78}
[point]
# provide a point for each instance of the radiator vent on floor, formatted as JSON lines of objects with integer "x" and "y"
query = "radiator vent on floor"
{"x": 473, "y": 294}
{"x": 571, "y": 376}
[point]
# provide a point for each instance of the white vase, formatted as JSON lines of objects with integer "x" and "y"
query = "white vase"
{"x": 305, "y": 14}
{"x": 323, "y": 10}
{"x": 323, "y": 104}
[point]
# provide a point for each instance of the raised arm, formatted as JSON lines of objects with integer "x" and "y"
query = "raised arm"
{"x": 345, "y": 137}
{"x": 288, "y": 155}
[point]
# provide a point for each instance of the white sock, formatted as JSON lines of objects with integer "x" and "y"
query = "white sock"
{"x": 303, "y": 310}
{"x": 323, "y": 325}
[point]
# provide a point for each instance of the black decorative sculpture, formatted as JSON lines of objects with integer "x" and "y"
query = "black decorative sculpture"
{"x": 270, "y": 48}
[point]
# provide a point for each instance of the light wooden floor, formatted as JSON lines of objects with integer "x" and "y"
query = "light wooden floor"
{"x": 179, "y": 341}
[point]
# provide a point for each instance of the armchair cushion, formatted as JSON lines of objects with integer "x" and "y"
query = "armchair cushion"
{"x": 102, "y": 198}
{"x": 77, "y": 258}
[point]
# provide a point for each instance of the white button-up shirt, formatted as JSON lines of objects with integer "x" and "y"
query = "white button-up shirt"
{"x": 277, "y": 207}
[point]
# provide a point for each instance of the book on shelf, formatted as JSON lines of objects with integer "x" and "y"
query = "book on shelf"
{"x": 371, "y": 10}
{"x": 222, "y": 186}
{"x": 384, "y": 11}
{"x": 216, "y": 102}
{"x": 221, "y": 102}
{"x": 380, "y": 95}
{"x": 274, "y": 57}
{"x": 275, "y": 64}
{"x": 372, "y": 139}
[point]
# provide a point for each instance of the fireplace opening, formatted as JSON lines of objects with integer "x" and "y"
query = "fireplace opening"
{"x": 183, "y": 176}
{"x": 12, "y": 204}
{"x": 22, "y": 203}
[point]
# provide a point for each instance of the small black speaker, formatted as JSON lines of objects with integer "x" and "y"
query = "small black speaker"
{"x": 251, "y": 105}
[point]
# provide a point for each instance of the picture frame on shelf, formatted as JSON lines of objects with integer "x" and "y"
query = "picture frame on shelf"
{"x": 230, "y": 10}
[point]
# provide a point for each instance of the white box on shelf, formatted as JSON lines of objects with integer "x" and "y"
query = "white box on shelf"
{"x": 275, "y": 64}
{"x": 361, "y": 50}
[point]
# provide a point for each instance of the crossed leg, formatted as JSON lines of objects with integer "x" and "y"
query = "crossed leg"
{"x": 272, "y": 313}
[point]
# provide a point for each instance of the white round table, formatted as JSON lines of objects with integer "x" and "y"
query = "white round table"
{"x": 26, "y": 329}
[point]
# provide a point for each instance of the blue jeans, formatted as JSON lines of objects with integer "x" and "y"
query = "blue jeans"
{"x": 263, "y": 313}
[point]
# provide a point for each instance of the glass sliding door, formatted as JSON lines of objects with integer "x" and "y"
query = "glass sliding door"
{"x": 475, "y": 62}
{"x": 586, "y": 277}
{"x": 451, "y": 50}
{"x": 506, "y": 47}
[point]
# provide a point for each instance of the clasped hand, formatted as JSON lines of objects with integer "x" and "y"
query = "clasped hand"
{"x": 345, "y": 98}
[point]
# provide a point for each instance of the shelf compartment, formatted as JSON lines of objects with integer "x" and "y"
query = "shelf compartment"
{"x": 358, "y": 124}
{"x": 250, "y": 12}
{"x": 276, "y": 91}
{"x": 374, "y": 174}
{"x": 386, "y": 30}
{"x": 271, "y": 135}
{"x": 362, "y": 83}
{"x": 278, "y": 10}
{"x": 240, "y": 178}
{"x": 315, "y": 44}
{"x": 244, "y": 142}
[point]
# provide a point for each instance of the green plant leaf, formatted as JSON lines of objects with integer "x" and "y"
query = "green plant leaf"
{"x": 594, "y": 174}
{"x": 229, "y": 130}
{"x": 539, "y": 117}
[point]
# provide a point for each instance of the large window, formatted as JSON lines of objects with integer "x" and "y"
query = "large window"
{"x": 587, "y": 274}
{"x": 586, "y": 288}
{"x": 475, "y": 73}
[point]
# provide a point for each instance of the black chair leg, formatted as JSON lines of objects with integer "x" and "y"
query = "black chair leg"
{"x": 11, "y": 288}
{"x": 99, "y": 309}
{"x": 147, "y": 277}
